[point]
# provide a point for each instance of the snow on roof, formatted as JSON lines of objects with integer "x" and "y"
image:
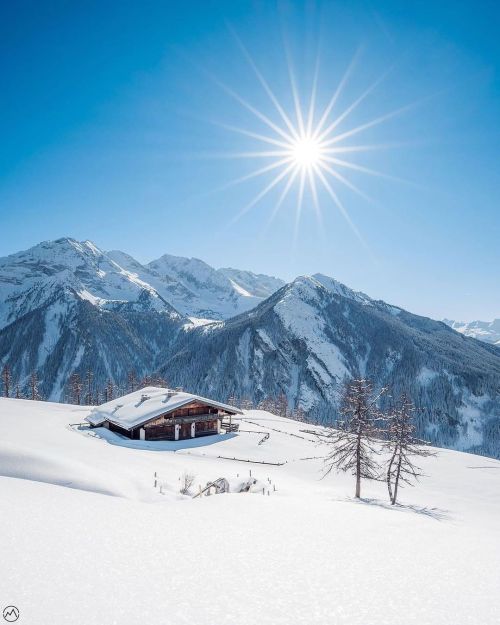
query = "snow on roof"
{"x": 145, "y": 404}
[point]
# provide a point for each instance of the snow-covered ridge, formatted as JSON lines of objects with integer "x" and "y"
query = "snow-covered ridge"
{"x": 487, "y": 331}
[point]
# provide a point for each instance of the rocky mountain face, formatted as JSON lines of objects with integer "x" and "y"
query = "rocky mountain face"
{"x": 487, "y": 331}
{"x": 68, "y": 307}
{"x": 198, "y": 290}
{"x": 311, "y": 334}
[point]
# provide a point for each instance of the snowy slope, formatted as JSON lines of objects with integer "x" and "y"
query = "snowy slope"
{"x": 487, "y": 331}
{"x": 307, "y": 337}
{"x": 305, "y": 554}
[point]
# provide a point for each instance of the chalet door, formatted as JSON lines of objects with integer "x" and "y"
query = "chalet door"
{"x": 185, "y": 430}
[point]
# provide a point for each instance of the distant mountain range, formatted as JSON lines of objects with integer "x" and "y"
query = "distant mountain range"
{"x": 67, "y": 306}
{"x": 487, "y": 331}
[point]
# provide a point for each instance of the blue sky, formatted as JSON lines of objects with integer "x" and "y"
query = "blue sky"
{"x": 112, "y": 124}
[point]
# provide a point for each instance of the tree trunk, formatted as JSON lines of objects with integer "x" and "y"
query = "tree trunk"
{"x": 389, "y": 470}
{"x": 396, "y": 482}
{"x": 358, "y": 467}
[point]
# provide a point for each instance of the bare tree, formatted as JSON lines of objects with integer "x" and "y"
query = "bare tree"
{"x": 76, "y": 389}
{"x": 403, "y": 446}
{"x": 282, "y": 405}
{"x": 154, "y": 380}
{"x": 353, "y": 439}
{"x": 88, "y": 385}
{"x": 109, "y": 390}
{"x": 187, "y": 480}
{"x": 131, "y": 381}
{"x": 246, "y": 403}
{"x": 34, "y": 394}
{"x": 7, "y": 379}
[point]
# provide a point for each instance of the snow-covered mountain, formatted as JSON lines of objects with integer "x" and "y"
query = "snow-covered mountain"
{"x": 311, "y": 334}
{"x": 208, "y": 293}
{"x": 67, "y": 307}
{"x": 487, "y": 331}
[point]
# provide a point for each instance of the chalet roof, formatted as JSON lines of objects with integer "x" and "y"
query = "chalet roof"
{"x": 141, "y": 406}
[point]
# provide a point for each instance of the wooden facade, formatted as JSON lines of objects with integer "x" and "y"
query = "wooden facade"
{"x": 192, "y": 420}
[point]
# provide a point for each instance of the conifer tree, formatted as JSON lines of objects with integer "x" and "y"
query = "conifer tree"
{"x": 353, "y": 439}
{"x": 403, "y": 446}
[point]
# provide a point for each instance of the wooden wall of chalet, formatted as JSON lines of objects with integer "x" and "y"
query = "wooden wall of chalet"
{"x": 190, "y": 410}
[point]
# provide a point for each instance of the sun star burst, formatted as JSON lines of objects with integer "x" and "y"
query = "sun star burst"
{"x": 304, "y": 147}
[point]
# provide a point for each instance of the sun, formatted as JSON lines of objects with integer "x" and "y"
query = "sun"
{"x": 306, "y": 152}
{"x": 307, "y": 147}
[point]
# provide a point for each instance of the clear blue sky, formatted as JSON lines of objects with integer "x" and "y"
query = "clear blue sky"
{"x": 107, "y": 125}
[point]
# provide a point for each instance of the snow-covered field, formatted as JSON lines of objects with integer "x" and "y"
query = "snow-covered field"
{"x": 86, "y": 539}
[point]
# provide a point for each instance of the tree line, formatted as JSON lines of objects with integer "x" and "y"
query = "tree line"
{"x": 81, "y": 389}
{"x": 12, "y": 388}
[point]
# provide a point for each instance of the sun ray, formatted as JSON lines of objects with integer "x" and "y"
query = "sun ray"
{"x": 345, "y": 181}
{"x": 252, "y": 135}
{"x": 370, "y": 124}
{"x": 256, "y": 173}
{"x": 264, "y": 192}
{"x": 298, "y": 209}
{"x": 339, "y": 204}
{"x": 337, "y": 93}
{"x": 264, "y": 84}
{"x": 282, "y": 197}
{"x": 365, "y": 170}
{"x": 253, "y": 110}
{"x": 314, "y": 193}
{"x": 257, "y": 154}
{"x": 352, "y": 106}
{"x": 367, "y": 147}
{"x": 312, "y": 101}
{"x": 295, "y": 94}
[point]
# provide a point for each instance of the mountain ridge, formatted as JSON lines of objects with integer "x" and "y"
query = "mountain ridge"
{"x": 68, "y": 307}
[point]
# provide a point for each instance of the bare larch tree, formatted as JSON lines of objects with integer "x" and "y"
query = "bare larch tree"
{"x": 353, "y": 439}
{"x": 34, "y": 393}
{"x": 403, "y": 447}
{"x": 76, "y": 389}
{"x": 6, "y": 379}
{"x": 89, "y": 377}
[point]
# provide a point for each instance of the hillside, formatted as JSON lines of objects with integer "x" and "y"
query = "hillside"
{"x": 88, "y": 539}
{"x": 311, "y": 334}
{"x": 68, "y": 307}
